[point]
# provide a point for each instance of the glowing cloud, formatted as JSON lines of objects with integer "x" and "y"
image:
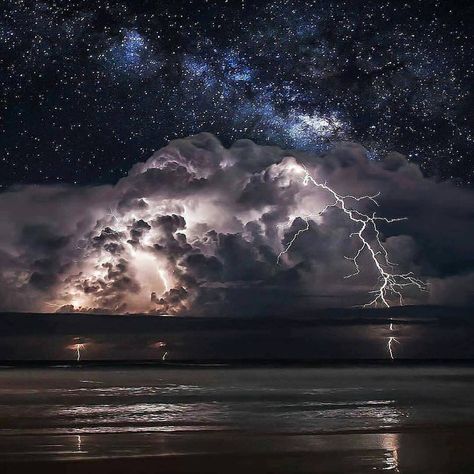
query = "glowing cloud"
{"x": 198, "y": 229}
{"x": 391, "y": 283}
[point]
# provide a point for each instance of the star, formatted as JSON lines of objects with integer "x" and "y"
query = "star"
{"x": 88, "y": 91}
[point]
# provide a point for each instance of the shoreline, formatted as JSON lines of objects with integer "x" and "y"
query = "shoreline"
{"x": 445, "y": 449}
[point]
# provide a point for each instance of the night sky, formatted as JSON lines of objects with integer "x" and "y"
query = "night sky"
{"x": 88, "y": 90}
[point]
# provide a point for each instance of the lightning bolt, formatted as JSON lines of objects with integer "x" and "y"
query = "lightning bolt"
{"x": 161, "y": 345}
{"x": 79, "y": 347}
{"x": 390, "y": 282}
{"x": 390, "y": 342}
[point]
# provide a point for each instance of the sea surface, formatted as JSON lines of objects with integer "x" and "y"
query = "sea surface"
{"x": 61, "y": 413}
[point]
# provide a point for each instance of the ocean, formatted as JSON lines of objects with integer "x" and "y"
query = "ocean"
{"x": 66, "y": 413}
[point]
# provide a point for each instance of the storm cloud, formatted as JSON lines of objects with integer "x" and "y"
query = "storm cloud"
{"x": 198, "y": 227}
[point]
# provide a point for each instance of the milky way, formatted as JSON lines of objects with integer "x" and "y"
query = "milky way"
{"x": 88, "y": 90}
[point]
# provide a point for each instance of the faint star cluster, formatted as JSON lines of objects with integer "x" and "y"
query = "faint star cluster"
{"x": 88, "y": 89}
{"x": 131, "y": 55}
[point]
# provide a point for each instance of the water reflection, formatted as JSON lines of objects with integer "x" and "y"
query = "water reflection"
{"x": 391, "y": 446}
{"x": 272, "y": 404}
{"x": 79, "y": 443}
{"x": 258, "y": 413}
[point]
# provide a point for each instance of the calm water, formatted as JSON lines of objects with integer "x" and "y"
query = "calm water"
{"x": 79, "y": 412}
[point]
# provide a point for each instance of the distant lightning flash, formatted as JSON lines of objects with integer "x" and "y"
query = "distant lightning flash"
{"x": 161, "y": 345}
{"x": 391, "y": 284}
{"x": 390, "y": 342}
{"x": 79, "y": 347}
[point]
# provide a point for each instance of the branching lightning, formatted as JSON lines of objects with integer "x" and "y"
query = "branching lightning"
{"x": 77, "y": 347}
{"x": 391, "y": 284}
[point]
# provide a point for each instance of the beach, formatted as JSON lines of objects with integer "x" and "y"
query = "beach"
{"x": 434, "y": 450}
{"x": 217, "y": 419}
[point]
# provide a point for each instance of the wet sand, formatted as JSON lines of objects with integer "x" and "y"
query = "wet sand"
{"x": 430, "y": 450}
{"x": 413, "y": 419}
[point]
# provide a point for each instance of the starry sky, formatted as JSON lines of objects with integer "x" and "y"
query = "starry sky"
{"x": 87, "y": 89}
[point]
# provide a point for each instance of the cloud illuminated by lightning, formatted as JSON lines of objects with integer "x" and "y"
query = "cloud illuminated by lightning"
{"x": 390, "y": 283}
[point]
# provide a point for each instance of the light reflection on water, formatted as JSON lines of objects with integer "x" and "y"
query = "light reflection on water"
{"x": 268, "y": 400}
{"x": 79, "y": 443}
{"x": 390, "y": 444}
{"x": 72, "y": 406}
{"x": 265, "y": 416}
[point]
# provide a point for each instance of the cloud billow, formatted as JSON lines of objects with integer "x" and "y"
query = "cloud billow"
{"x": 197, "y": 229}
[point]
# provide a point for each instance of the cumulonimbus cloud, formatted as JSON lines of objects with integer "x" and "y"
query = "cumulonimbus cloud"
{"x": 198, "y": 227}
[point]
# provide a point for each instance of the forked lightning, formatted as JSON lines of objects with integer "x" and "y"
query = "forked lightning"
{"x": 391, "y": 284}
